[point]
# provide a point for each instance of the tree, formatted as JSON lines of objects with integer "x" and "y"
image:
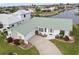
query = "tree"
{"x": 37, "y": 9}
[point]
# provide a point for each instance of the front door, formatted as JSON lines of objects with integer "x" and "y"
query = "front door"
{"x": 36, "y": 32}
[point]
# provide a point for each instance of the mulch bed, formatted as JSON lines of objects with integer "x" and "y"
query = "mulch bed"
{"x": 70, "y": 41}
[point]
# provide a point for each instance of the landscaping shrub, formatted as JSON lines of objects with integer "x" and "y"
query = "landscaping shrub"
{"x": 61, "y": 36}
{"x": 62, "y": 32}
{"x": 10, "y": 40}
{"x": 21, "y": 41}
{"x": 17, "y": 42}
{"x": 66, "y": 38}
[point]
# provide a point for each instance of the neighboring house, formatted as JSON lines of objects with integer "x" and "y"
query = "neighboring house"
{"x": 46, "y": 26}
{"x": 23, "y": 14}
{"x": 48, "y": 9}
{"x": 14, "y": 19}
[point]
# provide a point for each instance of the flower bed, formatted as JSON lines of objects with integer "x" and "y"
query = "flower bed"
{"x": 64, "y": 38}
{"x": 18, "y": 42}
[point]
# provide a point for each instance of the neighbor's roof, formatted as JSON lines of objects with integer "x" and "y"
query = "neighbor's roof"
{"x": 9, "y": 18}
{"x": 48, "y": 22}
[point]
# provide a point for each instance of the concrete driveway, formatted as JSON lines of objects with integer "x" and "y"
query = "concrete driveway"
{"x": 44, "y": 46}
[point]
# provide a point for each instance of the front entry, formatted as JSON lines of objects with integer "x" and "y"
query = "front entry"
{"x": 36, "y": 32}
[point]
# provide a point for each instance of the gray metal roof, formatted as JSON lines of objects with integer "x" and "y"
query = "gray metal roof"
{"x": 48, "y": 22}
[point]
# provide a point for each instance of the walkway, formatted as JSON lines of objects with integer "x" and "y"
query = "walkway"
{"x": 44, "y": 46}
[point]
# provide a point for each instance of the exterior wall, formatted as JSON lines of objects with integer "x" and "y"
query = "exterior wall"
{"x": 27, "y": 16}
{"x": 22, "y": 37}
{"x": 67, "y": 33}
{"x": 51, "y": 35}
{"x": 56, "y": 32}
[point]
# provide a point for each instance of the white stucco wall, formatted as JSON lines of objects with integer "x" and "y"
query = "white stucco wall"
{"x": 54, "y": 33}
{"x": 51, "y": 35}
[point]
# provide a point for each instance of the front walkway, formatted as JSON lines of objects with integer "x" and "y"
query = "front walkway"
{"x": 44, "y": 46}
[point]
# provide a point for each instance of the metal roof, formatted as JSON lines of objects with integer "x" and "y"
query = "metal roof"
{"x": 9, "y": 18}
{"x": 47, "y": 22}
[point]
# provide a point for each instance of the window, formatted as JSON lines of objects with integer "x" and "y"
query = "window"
{"x": 45, "y": 29}
{"x": 1, "y": 25}
{"x": 51, "y": 30}
{"x": 24, "y": 15}
{"x": 12, "y": 25}
{"x": 41, "y": 29}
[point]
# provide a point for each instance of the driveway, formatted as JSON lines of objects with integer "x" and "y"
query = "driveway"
{"x": 44, "y": 46}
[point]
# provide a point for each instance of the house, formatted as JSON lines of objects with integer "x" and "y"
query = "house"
{"x": 7, "y": 21}
{"x": 23, "y": 14}
{"x": 48, "y": 9}
{"x": 15, "y": 18}
{"x": 44, "y": 25}
{"x": 24, "y": 27}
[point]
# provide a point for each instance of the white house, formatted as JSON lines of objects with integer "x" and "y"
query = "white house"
{"x": 23, "y": 14}
{"x": 48, "y": 9}
{"x": 46, "y": 26}
{"x": 14, "y": 19}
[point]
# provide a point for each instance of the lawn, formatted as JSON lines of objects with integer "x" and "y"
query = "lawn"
{"x": 76, "y": 34}
{"x": 65, "y": 48}
{"x": 45, "y": 13}
{"x": 69, "y": 48}
{"x": 5, "y": 48}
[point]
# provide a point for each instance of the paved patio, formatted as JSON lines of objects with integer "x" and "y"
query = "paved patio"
{"x": 44, "y": 46}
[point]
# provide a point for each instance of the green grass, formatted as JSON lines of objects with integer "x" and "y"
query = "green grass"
{"x": 5, "y": 48}
{"x": 69, "y": 48}
{"x": 44, "y": 13}
{"x": 65, "y": 48}
{"x": 76, "y": 34}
